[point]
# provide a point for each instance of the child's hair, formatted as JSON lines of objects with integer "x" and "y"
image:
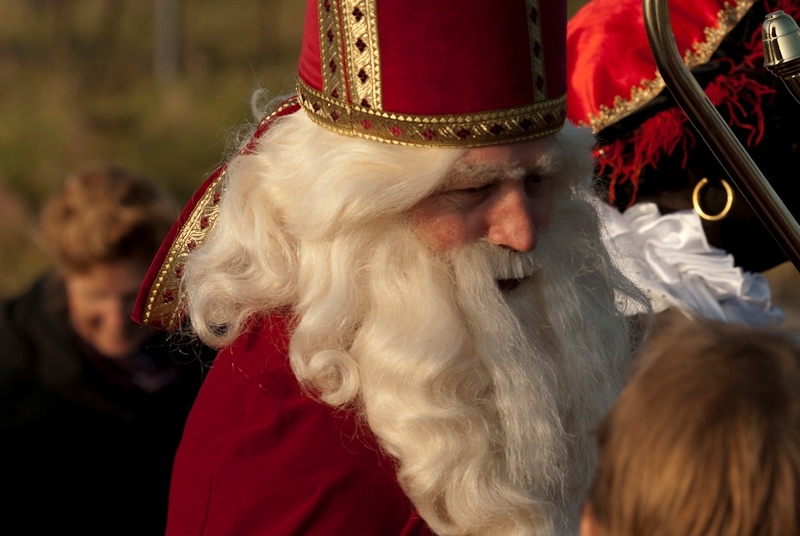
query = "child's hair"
{"x": 705, "y": 438}
{"x": 103, "y": 213}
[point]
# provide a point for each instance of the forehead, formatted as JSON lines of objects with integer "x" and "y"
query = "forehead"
{"x": 510, "y": 158}
{"x": 109, "y": 278}
{"x": 527, "y": 152}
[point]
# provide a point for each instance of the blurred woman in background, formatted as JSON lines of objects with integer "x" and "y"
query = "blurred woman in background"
{"x": 92, "y": 405}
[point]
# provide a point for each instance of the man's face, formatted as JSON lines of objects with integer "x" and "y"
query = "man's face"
{"x": 100, "y": 304}
{"x": 496, "y": 193}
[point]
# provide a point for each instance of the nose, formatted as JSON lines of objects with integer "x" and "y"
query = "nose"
{"x": 511, "y": 223}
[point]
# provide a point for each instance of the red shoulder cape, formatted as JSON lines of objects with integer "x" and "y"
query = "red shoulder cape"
{"x": 258, "y": 456}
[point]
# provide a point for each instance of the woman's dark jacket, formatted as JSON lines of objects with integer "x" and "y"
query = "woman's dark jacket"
{"x": 82, "y": 449}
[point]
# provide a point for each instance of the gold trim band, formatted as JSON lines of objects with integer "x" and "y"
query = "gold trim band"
{"x": 472, "y": 130}
{"x": 536, "y": 42}
{"x": 166, "y": 297}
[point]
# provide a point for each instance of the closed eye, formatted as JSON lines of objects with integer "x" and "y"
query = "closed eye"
{"x": 470, "y": 193}
{"x": 473, "y": 189}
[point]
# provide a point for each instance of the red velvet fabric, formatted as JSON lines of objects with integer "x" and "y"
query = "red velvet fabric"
{"x": 309, "y": 65}
{"x": 455, "y": 56}
{"x": 432, "y": 70}
{"x": 259, "y": 457}
{"x": 608, "y": 52}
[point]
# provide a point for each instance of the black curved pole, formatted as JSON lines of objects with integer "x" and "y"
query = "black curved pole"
{"x": 716, "y": 133}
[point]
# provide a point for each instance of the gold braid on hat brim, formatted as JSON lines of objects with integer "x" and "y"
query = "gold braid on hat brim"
{"x": 468, "y": 130}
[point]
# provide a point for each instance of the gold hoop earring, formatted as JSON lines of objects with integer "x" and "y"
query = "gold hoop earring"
{"x": 696, "y": 200}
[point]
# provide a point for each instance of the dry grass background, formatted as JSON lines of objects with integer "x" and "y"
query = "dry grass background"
{"x": 77, "y": 84}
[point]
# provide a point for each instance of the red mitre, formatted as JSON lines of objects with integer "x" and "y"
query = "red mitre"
{"x": 443, "y": 73}
{"x": 460, "y": 73}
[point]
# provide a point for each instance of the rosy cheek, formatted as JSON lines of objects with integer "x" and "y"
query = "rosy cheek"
{"x": 443, "y": 242}
{"x": 438, "y": 229}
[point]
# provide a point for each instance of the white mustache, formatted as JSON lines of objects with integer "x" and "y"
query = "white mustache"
{"x": 500, "y": 262}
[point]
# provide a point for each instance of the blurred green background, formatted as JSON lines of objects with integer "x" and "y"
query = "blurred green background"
{"x": 159, "y": 86}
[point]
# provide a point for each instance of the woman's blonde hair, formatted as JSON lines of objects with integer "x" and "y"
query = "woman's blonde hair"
{"x": 103, "y": 213}
{"x": 705, "y": 439}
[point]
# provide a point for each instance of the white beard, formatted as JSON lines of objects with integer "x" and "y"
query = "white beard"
{"x": 485, "y": 399}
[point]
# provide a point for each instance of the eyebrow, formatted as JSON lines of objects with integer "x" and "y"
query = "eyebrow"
{"x": 463, "y": 173}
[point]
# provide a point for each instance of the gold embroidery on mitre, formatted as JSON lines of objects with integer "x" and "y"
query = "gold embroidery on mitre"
{"x": 166, "y": 298}
{"x": 700, "y": 52}
{"x": 470, "y": 130}
{"x": 363, "y": 55}
{"x": 537, "y": 53}
{"x": 334, "y": 77}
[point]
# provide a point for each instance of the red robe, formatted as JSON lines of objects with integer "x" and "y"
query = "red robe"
{"x": 258, "y": 457}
